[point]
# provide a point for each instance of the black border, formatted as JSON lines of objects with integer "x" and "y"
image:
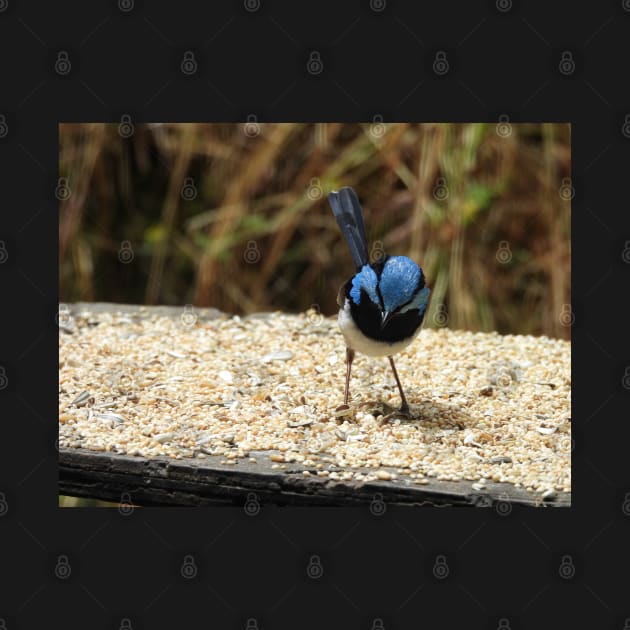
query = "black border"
{"x": 503, "y": 58}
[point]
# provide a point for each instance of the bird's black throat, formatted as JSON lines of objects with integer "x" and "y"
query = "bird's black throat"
{"x": 368, "y": 316}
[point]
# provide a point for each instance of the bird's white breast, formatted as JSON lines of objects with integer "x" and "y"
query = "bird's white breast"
{"x": 356, "y": 340}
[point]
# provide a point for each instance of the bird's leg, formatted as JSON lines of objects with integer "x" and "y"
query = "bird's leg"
{"x": 349, "y": 359}
{"x": 404, "y": 408}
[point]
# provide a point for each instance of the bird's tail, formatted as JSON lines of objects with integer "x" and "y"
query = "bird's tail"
{"x": 347, "y": 210}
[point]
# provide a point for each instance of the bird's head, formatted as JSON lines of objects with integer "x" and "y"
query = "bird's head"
{"x": 395, "y": 285}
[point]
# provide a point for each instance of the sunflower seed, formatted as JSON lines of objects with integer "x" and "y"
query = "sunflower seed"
{"x": 105, "y": 405}
{"x": 109, "y": 417}
{"x": 176, "y": 355}
{"x": 300, "y": 423}
{"x": 82, "y": 399}
{"x": 342, "y": 410}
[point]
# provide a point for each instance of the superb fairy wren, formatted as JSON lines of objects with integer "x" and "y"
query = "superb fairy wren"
{"x": 382, "y": 306}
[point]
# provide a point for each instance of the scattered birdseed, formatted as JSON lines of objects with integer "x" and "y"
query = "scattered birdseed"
{"x": 231, "y": 386}
{"x": 384, "y": 475}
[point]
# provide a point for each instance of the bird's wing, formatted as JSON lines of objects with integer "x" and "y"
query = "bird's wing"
{"x": 347, "y": 210}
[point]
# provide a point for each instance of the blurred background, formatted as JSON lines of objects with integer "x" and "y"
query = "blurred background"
{"x": 235, "y": 216}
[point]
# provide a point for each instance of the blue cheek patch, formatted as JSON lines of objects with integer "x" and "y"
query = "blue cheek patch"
{"x": 366, "y": 279}
{"x": 355, "y": 292}
{"x": 420, "y": 302}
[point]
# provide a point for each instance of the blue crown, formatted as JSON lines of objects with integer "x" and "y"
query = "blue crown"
{"x": 399, "y": 280}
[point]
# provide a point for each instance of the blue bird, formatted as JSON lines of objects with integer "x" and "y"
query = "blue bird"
{"x": 383, "y": 305}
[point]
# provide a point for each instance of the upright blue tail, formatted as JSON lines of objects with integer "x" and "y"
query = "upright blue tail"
{"x": 347, "y": 210}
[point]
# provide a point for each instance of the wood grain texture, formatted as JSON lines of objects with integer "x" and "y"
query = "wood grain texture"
{"x": 193, "y": 482}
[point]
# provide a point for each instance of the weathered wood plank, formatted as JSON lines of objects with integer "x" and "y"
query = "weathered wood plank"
{"x": 192, "y": 482}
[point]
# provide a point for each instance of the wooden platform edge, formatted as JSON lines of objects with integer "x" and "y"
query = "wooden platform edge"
{"x": 194, "y": 482}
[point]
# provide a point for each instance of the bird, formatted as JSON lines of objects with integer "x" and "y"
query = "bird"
{"x": 382, "y": 306}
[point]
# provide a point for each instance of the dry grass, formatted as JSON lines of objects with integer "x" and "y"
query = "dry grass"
{"x": 256, "y": 232}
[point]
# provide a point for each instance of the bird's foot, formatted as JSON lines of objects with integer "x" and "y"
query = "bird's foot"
{"x": 343, "y": 412}
{"x": 404, "y": 413}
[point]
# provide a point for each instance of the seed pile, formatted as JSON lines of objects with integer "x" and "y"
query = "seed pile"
{"x": 486, "y": 407}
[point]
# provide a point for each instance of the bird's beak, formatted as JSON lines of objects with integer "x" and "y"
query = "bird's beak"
{"x": 385, "y": 317}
